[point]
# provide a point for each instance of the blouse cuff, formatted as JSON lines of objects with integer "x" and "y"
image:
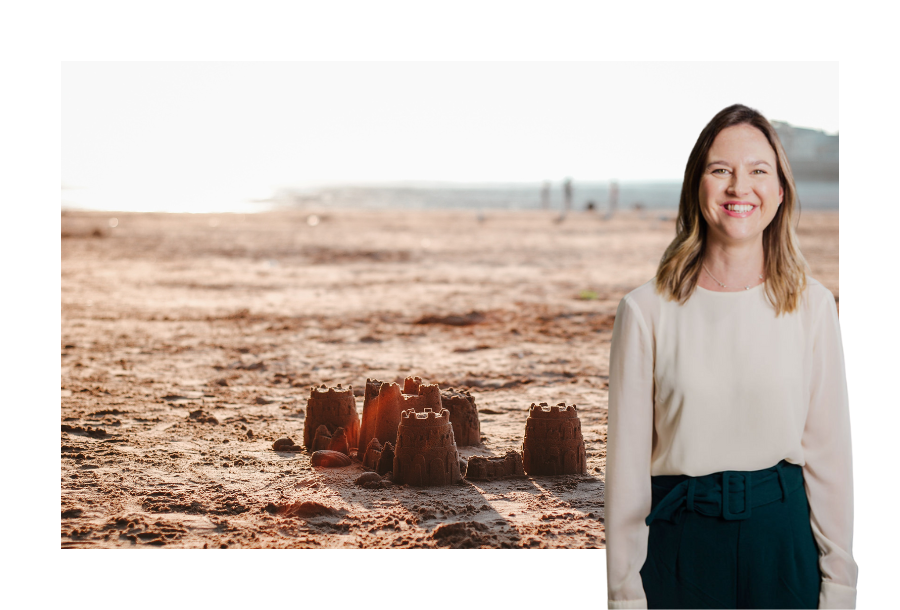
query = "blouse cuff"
{"x": 831, "y": 595}
{"x": 628, "y": 603}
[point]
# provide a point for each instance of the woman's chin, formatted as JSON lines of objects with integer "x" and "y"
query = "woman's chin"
{"x": 734, "y": 236}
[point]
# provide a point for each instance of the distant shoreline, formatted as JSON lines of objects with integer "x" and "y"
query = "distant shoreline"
{"x": 636, "y": 195}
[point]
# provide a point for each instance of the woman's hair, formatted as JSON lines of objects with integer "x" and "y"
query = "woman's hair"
{"x": 679, "y": 269}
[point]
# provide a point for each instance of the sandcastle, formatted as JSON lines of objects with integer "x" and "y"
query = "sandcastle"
{"x": 412, "y": 432}
{"x": 372, "y": 454}
{"x": 553, "y": 441}
{"x": 384, "y": 404}
{"x": 463, "y": 416}
{"x": 333, "y": 408}
{"x": 425, "y": 453}
{"x": 378, "y": 458}
{"x": 492, "y": 468}
{"x": 321, "y": 439}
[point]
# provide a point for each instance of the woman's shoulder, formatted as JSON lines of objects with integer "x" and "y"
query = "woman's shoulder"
{"x": 818, "y": 296}
{"x": 816, "y": 291}
{"x": 638, "y": 309}
{"x": 644, "y": 294}
{"x": 644, "y": 298}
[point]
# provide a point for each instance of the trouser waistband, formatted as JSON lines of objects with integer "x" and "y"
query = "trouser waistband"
{"x": 731, "y": 494}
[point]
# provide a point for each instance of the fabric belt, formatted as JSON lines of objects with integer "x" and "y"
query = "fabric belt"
{"x": 731, "y": 494}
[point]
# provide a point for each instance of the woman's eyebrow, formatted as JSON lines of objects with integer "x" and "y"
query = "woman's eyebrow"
{"x": 752, "y": 162}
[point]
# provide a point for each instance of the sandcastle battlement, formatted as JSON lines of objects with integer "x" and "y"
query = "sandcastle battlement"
{"x": 411, "y": 385}
{"x": 323, "y": 392}
{"x": 429, "y": 428}
{"x": 559, "y": 411}
{"x": 425, "y": 418}
{"x": 417, "y": 395}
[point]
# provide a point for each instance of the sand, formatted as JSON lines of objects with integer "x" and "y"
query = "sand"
{"x": 189, "y": 343}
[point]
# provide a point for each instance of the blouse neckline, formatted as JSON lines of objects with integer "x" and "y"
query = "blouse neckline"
{"x": 728, "y": 294}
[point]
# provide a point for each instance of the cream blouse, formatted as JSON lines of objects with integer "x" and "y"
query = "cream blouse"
{"x": 721, "y": 383}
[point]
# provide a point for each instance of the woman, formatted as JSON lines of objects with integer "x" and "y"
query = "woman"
{"x": 728, "y": 474}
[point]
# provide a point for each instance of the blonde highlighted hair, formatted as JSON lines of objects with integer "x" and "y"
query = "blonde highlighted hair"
{"x": 786, "y": 269}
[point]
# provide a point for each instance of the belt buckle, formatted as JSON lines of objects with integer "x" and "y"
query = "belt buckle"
{"x": 726, "y": 511}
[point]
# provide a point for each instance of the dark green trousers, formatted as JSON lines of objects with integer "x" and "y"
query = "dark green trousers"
{"x": 731, "y": 540}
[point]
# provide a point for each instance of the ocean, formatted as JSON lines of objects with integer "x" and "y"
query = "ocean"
{"x": 646, "y": 195}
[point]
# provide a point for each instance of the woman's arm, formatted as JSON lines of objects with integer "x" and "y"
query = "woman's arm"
{"x": 829, "y": 470}
{"x": 628, "y": 449}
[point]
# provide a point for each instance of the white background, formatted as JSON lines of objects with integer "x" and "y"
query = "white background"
{"x": 37, "y": 35}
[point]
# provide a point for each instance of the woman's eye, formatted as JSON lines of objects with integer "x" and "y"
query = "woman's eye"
{"x": 720, "y": 171}
{"x": 759, "y": 171}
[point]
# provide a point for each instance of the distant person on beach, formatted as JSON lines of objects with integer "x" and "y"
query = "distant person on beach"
{"x": 728, "y": 473}
{"x": 545, "y": 195}
{"x": 567, "y": 195}
{"x": 613, "y": 198}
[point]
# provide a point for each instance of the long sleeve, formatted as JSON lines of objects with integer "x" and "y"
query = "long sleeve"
{"x": 828, "y": 470}
{"x": 628, "y": 453}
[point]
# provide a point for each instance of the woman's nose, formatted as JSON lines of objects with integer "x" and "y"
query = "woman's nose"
{"x": 739, "y": 185}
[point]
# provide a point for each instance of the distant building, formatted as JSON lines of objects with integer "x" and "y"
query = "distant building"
{"x": 814, "y": 155}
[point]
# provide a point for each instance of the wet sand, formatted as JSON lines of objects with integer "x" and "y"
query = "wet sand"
{"x": 236, "y": 316}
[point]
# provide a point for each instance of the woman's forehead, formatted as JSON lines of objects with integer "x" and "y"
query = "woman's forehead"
{"x": 744, "y": 143}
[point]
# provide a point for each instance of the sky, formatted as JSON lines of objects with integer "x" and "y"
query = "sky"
{"x": 213, "y": 136}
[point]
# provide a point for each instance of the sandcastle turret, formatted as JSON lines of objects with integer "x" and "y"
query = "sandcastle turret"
{"x": 339, "y": 442}
{"x": 321, "y": 439}
{"x": 372, "y": 455}
{"x": 553, "y": 441}
{"x": 333, "y": 408}
{"x": 425, "y": 453}
{"x": 384, "y": 402}
{"x": 463, "y": 416}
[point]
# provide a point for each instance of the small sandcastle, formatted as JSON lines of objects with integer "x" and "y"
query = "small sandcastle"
{"x": 553, "y": 441}
{"x": 332, "y": 408}
{"x": 384, "y": 404}
{"x": 463, "y": 416}
{"x": 326, "y": 440}
{"x": 425, "y": 454}
{"x": 492, "y": 468}
{"x": 379, "y": 458}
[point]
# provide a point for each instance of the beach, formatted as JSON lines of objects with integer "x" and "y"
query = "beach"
{"x": 190, "y": 342}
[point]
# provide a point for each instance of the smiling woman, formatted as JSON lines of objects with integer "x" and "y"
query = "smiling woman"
{"x": 728, "y": 475}
{"x": 741, "y": 181}
{"x": 736, "y": 215}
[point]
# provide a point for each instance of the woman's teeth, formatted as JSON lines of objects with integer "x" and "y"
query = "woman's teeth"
{"x": 732, "y": 207}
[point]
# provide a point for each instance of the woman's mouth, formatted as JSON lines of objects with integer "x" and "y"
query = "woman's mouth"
{"x": 738, "y": 210}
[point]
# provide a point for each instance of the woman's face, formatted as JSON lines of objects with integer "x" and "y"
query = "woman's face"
{"x": 739, "y": 190}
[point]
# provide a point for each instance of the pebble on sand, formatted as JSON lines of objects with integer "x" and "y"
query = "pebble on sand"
{"x": 286, "y": 444}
